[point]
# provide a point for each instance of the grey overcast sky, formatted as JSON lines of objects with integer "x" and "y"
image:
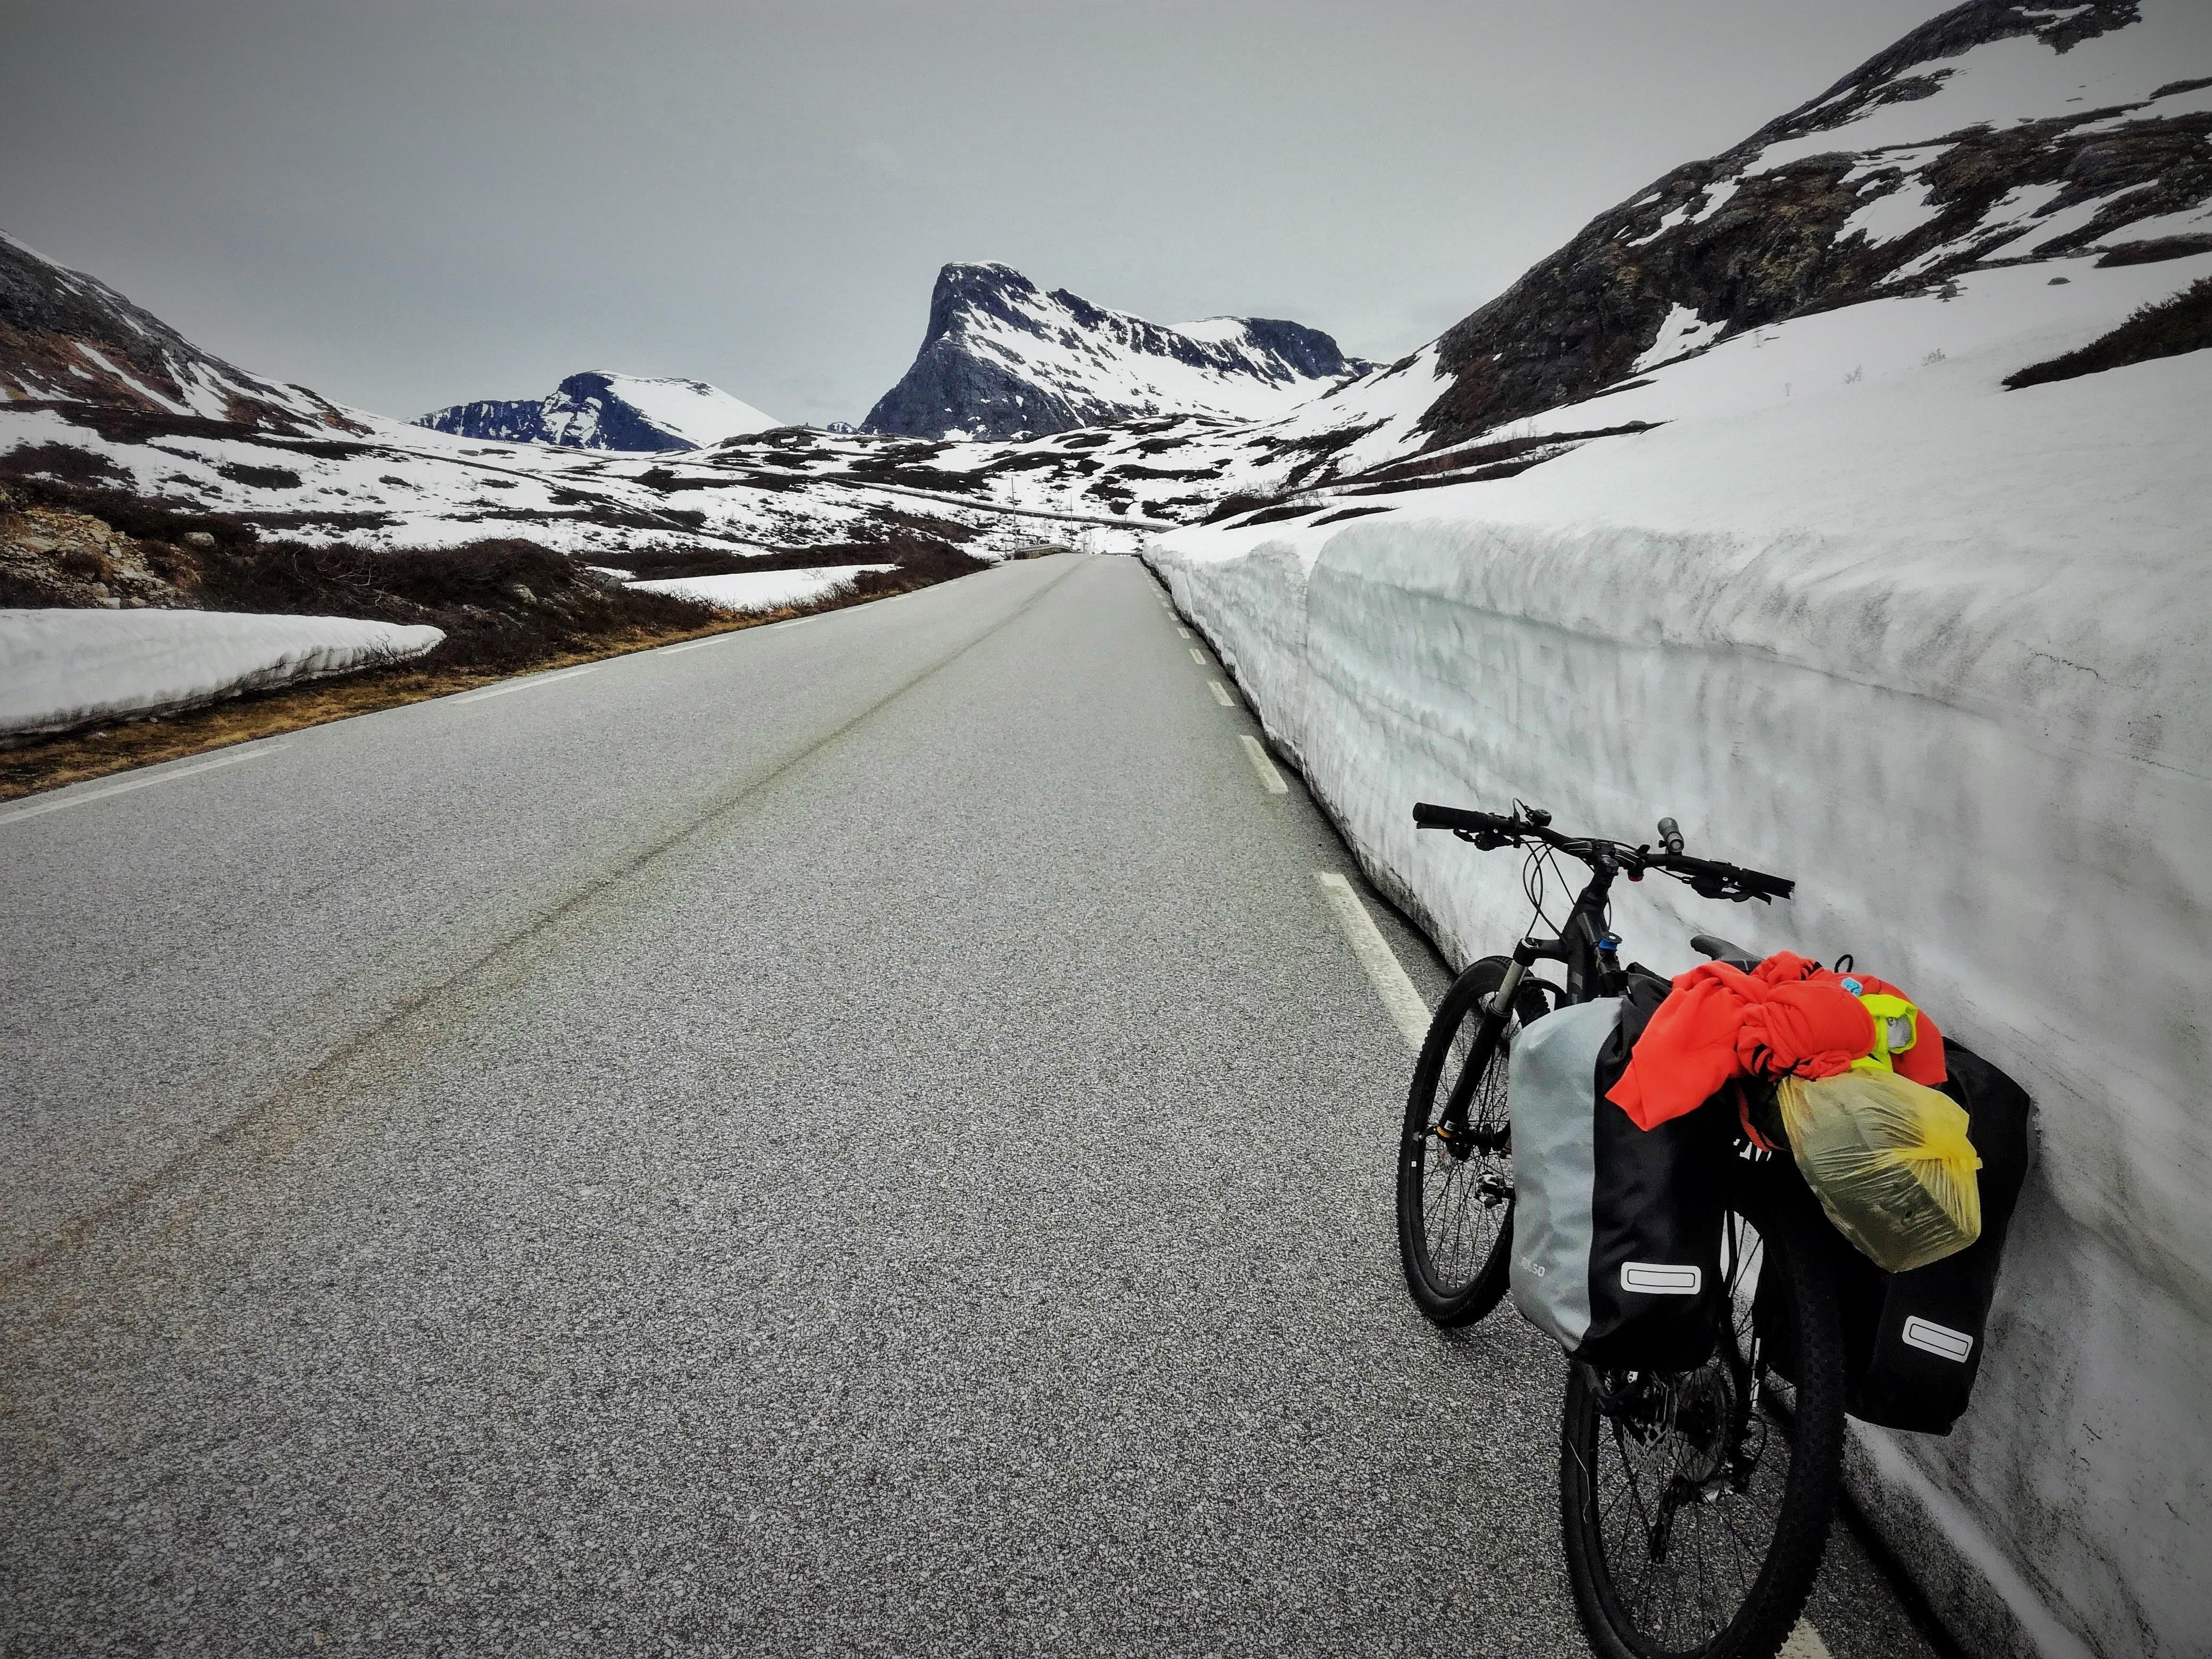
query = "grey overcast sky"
{"x": 405, "y": 204}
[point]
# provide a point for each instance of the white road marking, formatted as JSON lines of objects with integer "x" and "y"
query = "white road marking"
{"x": 693, "y": 645}
{"x": 1270, "y": 779}
{"x": 1221, "y": 695}
{"x": 1183, "y": 632}
{"x": 530, "y": 684}
{"x": 61, "y": 803}
{"x": 1803, "y": 1643}
{"x": 1405, "y": 1003}
{"x": 1198, "y": 656}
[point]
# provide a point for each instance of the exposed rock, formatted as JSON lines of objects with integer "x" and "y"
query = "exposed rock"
{"x": 1001, "y": 359}
{"x": 68, "y": 337}
{"x": 52, "y": 555}
{"x": 593, "y": 411}
{"x": 1740, "y": 243}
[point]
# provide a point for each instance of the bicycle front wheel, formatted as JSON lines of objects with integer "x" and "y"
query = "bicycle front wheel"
{"x": 1695, "y": 1505}
{"x": 1455, "y": 1181}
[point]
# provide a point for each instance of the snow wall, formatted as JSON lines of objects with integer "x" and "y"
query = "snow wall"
{"x": 1987, "y": 772}
{"x": 63, "y": 668}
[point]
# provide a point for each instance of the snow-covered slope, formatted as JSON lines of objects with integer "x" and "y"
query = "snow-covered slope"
{"x": 1999, "y": 134}
{"x": 1831, "y": 594}
{"x": 63, "y": 668}
{"x": 595, "y": 410}
{"x": 1002, "y": 359}
{"x": 99, "y": 394}
{"x": 761, "y": 590}
{"x": 66, "y": 337}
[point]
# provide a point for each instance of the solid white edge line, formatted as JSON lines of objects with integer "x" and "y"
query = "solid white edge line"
{"x": 1803, "y": 1643}
{"x": 1270, "y": 779}
{"x": 1404, "y": 1004}
{"x": 530, "y": 684}
{"x": 1221, "y": 695}
{"x": 40, "y": 808}
{"x": 1198, "y": 656}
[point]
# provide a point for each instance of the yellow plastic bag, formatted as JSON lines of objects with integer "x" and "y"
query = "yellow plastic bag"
{"x": 1889, "y": 1160}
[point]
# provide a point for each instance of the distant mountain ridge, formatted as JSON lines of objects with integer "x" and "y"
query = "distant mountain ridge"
{"x": 625, "y": 413}
{"x": 1973, "y": 138}
{"x": 68, "y": 337}
{"x": 1002, "y": 359}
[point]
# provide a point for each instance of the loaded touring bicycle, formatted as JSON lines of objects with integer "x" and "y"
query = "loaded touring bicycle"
{"x": 1695, "y": 1497}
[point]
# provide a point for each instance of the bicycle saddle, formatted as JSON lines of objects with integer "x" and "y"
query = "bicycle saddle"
{"x": 1713, "y": 945}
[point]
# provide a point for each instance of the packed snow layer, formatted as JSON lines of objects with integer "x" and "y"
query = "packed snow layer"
{"x": 1942, "y": 653}
{"x": 761, "y": 590}
{"x": 62, "y": 668}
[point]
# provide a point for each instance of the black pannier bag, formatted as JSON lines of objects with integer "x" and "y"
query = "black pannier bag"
{"x": 1912, "y": 1341}
{"x": 1616, "y": 1229}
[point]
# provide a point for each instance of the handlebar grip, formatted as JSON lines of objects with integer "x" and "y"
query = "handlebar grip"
{"x": 1429, "y": 815}
{"x": 1758, "y": 882}
{"x": 1750, "y": 884}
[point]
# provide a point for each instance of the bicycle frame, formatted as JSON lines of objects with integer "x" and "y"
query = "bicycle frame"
{"x": 1586, "y": 948}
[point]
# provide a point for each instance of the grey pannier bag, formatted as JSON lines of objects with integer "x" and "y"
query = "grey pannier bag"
{"x": 1616, "y": 1229}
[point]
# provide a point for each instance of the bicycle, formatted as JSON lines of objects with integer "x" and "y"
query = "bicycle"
{"x": 1694, "y": 1505}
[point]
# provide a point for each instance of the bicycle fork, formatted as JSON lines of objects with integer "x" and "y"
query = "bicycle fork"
{"x": 1497, "y": 1010}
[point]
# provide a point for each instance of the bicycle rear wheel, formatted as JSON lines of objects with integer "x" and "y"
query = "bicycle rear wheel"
{"x": 1456, "y": 1187}
{"x": 1695, "y": 1505}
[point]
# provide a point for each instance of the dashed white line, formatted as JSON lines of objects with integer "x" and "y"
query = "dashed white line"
{"x": 83, "y": 796}
{"x": 1198, "y": 656}
{"x": 1404, "y": 1003}
{"x": 1270, "y": 779}
{"x": 1182, "y": 633}
{"x": 1221, "y": 695}
{"x": 530, "y": 684}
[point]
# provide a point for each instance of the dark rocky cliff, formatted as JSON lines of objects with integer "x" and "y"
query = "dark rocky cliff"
{"x": 608, "y": 422}
{"x": 1003, "y": 359}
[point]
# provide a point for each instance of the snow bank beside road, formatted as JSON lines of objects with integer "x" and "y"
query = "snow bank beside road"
{"x": 63, "y": 668}
{"x": 761, "y": 590}
{"x": 1944, "y": 653}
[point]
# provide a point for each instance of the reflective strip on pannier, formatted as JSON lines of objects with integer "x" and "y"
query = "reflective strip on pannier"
{"x": 1912, "y": 1341}
{"x": 1616, "y": 1229}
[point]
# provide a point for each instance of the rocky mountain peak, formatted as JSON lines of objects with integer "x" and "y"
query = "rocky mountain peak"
{"x": 1002, "y": 358}
{"x": 1999, "y": 132}
{"x": 982, "y": 290}
{"x": 67, "y": 337}
{"x": 595, "y": 409}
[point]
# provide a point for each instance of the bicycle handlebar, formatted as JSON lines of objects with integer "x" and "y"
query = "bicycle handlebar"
{"x": 1708, "y": 877}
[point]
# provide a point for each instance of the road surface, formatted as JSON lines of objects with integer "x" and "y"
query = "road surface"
{"x": 863, "y": 1136}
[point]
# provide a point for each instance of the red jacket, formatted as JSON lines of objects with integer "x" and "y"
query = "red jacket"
{"x": 1788, "y": 1018}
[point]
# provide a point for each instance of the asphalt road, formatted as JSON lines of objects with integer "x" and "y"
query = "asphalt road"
{"x": 861, "y": 1136}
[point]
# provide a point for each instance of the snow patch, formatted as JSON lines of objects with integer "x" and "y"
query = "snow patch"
{"x": 65, "y": 668}
{"x": 761, "y": 590}
{"x": 1683, "y": 330}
